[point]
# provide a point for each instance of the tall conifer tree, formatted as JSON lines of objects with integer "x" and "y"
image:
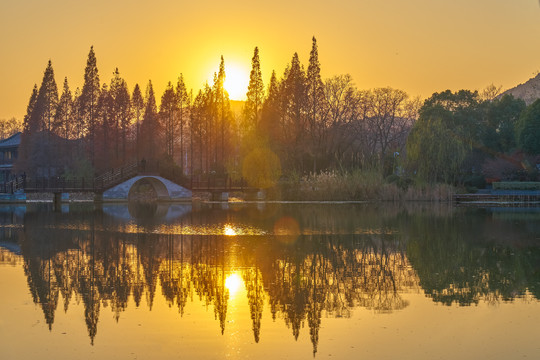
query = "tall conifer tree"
{"x": 315, "y": 101}
{"x": 89, "y": 101}
{"x": 78, "y": 115}
{"x": 39, "y": 146}
{"x": 270, "y": 110}
{"x": 150, "y": 126}
{"x": 122, "y": 115}
{"x": 137, "y": 106}
{"x": 63, "y": 120}
{"x": 28, "y": 129}
{"x": 168, "y": 108}
{"x": 293, "y": 124}
{"x": 255, "y": 93}
{"x": 221, "y": 98}
{"x": 30, "y": 109}
{"x": 183, "y": 104}
{"x": 47, "y": 100}
{"x": 105, "y": 131}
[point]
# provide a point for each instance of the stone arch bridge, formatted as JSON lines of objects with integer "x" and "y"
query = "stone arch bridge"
{"x": 114, "y": 185}
{"x": 165, "y": 189}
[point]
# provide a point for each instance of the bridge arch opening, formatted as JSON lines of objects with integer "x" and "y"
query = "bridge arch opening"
{"x": 148, "y": 189}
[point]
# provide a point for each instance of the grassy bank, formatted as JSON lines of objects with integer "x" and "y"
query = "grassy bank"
{"x": 358, "y": 185}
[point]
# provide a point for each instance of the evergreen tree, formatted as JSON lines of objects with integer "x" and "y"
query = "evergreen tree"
{"x": 315, "y": 103}
{"x": 183, "y": 104}
{"x": 63, "y": 120}
{"x": 77, "y": 114}
{"x": 137, "y": 106}
{"x": 30, "y": 109}
{"x": 47, "y": 100}
{"x": 63, "y": 126}
{"x": 22, "y": 163}
{"x": 88, "y": 101}
{"x": 270, "y": 110}
{"x": 105, "y": 131}
{"x": 293, "y": 119}
{"x": 222, "y": 100}
{"x": 167, "y": 111}
{"x": 208, "y": 112}
{"x": 197, "y": 116}
{"x": 150, "y": 126}
{"x": 255, "y": 93}
{"x": 38, "y": 146}
{"x": 122, "y": 115}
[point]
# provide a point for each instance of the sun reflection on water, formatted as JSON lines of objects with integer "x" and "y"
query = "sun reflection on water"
{"x": 233, "y": 283}
{"x": 229, "y": 231}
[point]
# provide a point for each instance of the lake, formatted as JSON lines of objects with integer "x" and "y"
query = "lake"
{"x": 269, "y": 281}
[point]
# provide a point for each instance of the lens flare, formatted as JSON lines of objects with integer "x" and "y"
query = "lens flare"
{"x": 287, "y": 230}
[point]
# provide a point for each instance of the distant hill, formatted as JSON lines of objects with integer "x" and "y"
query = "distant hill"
{"x": 529, "y": 91}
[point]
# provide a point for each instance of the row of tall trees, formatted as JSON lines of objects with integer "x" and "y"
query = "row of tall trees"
{"x": 310, "y": 124}
{"x": 103, "y": 126}
{"x": 315, "y": 124}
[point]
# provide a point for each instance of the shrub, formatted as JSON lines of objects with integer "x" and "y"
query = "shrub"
{"x": 360, "y": 185}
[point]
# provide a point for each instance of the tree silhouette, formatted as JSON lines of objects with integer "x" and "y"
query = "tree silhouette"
{"x": 255, "y": 94}
{"x": 137, "y": 104}
{"x": 315, "y": 104}
{"x": 89, "y": 102}
{"x": 122, "y": 115}
{"x": 150, "y": 126}
{"x": 37, "y": 148}
{"x": 168, "y": 110}
{"x": 183, "y": 105}
{"x": 63, "y": 117}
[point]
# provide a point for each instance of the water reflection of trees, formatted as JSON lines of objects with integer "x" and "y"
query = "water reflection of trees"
{"x": 316, "y": 275}
{"x": 340, "y": 263}
{"x": 474, "y": 255}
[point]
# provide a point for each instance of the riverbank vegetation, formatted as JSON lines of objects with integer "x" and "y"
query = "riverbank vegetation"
{"x": 301, "y": 135}
{"x": 359, "y": 185}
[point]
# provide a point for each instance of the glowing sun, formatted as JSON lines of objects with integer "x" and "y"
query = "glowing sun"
{"x": 236, "y": 81}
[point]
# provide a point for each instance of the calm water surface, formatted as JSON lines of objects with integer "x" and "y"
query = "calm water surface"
{"x": 269, "y": 281}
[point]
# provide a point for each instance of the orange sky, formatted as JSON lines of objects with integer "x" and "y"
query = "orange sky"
{"x": 420, "y": 46}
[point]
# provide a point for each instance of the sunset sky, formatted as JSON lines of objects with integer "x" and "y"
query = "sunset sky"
{"x": 420, "y": 46}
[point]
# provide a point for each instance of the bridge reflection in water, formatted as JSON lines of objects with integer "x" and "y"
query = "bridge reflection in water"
{"x": 302, "y": 263}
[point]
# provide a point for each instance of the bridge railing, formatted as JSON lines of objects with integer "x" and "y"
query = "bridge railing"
{"x": 116, "y": 176}
{"x": 15, "y": 184}
{"x": 57, "y": 184}
{"x": 208, "y": 183}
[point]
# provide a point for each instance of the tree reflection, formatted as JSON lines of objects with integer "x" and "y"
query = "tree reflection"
{"x": 324, "y": 272}
{"x": 319, "y": 274}
{"x": 473, "y": 256}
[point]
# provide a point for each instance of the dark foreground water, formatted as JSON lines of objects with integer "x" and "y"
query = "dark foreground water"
{"x": 269, "y": 281}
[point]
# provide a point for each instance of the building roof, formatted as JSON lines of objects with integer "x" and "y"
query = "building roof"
{"x": 12, "y": 141}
